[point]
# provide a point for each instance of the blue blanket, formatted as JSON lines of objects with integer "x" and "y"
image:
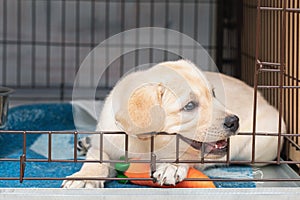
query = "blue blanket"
{"x": 53, "y": 117}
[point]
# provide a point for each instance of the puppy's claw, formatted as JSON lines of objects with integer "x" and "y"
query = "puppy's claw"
{"x": 158, "y": 177}
{"x": 163, "y": 181}
{"x": 177, "y": 179}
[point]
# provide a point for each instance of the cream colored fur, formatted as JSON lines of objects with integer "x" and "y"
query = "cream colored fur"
{"x": 155, "y": 100}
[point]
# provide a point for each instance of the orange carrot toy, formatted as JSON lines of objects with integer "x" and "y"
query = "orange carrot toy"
{"x": 141, "y": 170}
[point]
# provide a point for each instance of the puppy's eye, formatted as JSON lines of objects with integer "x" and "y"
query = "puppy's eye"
{"x": 190, "y": 106}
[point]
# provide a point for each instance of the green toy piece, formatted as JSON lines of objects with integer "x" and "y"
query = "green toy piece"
{"x": 121, "y": 168}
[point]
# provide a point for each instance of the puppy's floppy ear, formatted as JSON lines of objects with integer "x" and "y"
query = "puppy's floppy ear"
{"x": 143, "y": 112}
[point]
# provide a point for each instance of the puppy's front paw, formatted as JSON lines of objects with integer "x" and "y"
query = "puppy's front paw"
{"x": 170, "y": 174}
{"x": 81, "y": 183}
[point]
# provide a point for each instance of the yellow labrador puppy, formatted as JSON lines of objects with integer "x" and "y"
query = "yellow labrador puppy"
{"x": 176, "y": 97}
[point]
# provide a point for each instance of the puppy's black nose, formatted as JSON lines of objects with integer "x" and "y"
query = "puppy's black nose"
{"x": 231, "y": 123}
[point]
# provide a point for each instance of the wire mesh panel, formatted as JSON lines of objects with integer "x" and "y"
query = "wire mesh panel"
{"x": 292, "y": 76}
{"x": 275, "y": 55}
{"x": 44, "y": 42}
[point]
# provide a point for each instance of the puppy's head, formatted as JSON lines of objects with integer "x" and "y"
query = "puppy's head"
{"x": 175, "y": 97}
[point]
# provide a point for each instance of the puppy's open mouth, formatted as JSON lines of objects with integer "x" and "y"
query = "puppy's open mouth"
{"x": 217, "y": 147}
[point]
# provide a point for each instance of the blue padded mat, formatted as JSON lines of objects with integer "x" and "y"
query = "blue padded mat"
{"x": 53, "y": 117}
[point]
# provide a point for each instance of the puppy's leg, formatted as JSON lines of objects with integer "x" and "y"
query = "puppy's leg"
{"x": 170, "y": 174}
{"x": 89, "y": 170}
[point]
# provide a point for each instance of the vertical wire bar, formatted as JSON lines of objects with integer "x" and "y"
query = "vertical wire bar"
{"x": 137, "y": 25}
{"x": 267, "y": 77}
{"x": 22, "y": 167}
{"x": 23, "y": 158}
{"x": 290, "y": 71}
{"x": 230, "y": 45}
{"x": 291, "y": 50}
{"x": 295, "y": 56}
{"x": 24, "y": 142}
{"x": 211, "y": 28}
{"x": 48, "y": 38}
{"x": 122, "y": 37}
{"x": 250, "y": 68}
{"x": 287, "y": 82}
{"x": 92, "y": 38}
{"x": 290, "y": 63}
{"x": 167, "y": 4}
{"x": 151, "y": 30}
{"x": 275, "y": 75}
{"x": 274, "y": 93}
{"x": 202, "y": 153}
{"x": 257, "y": 47}
{"x": 126, "y": 148}
{"x": 77, "y": 35}
{"x": 238, "y": 56}
{"x": 220, "y": 34}
{"x": 282, "y": 70}
{"x": 63, "y": 47}
{"x": 246, "y": 44}
{"x": 263, "y": 44}
{"x": 19, "y": 28}
{"x": 181, "y": 16}
{"x": 101, "y": 146}
{"x": 153, "y": 157}
{"x": 294, "y": 73}
{"x": 92, "y": 41}
{"x": 177, "y": 148}
{"x": 107, "y": 47}
{"x": 49, "y": 146}
{"x": 244, "y": 50}
{"x": 33, "y": 44}
{"x": 297, "y": 72}
{"x": 75, "y": 146}
{"x": 195, "y": 34}
{"x": 4, "y": 45}
{"x": 228, "y": 152}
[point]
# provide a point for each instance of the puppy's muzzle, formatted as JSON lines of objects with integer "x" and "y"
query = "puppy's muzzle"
{"x": 231, "y": 123}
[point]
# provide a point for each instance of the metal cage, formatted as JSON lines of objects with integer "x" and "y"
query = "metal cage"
{"x": 42, "y": 47}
